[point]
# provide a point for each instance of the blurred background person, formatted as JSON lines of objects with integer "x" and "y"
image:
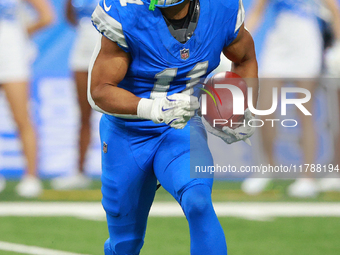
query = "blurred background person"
{"x": 292, "y": 54}
{"x": 14, "y": 80}
{"x": 78, "y": 13}
{"x": 332, "y": 72}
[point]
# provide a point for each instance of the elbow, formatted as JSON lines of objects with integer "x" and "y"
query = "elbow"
{"x": 94, "y": 97}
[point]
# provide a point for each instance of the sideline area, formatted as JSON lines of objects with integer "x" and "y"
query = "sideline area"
{"x": 246, "y": 210}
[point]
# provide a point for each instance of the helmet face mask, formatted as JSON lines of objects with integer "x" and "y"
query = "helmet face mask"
{"x": 165, "y": 3}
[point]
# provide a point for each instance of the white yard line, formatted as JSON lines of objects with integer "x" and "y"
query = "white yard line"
{"x": 34, "y": 250}
{"x": 257, "y": 210}
{"x": 76, "y": 209}
{"x": 248, "y": 210}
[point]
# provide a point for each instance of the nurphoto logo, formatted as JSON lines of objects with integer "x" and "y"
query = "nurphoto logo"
{"x": 239, "y": 104}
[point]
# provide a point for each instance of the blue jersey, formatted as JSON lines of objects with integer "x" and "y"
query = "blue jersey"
{"x": 84, "y": 8}
{"x": 9, "y": 9}
{"x": 302, "y": 7}
{"x": 160, "y": 65}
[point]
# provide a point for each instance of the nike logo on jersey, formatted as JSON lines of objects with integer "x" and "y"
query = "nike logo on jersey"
{"x": 107, "y": 8}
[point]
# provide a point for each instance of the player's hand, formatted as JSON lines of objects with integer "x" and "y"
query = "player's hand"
{"x": 332, "y": 60}
{"x": 229, "y": 135}
{"x": 175, "y": 110}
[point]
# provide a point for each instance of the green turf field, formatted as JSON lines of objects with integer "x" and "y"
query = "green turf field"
{"x": 170, "y": 235}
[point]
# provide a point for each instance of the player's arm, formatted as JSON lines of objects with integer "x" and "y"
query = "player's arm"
{"x": 242, "y": 53}
{"x": 70, "y": 14}
{"x": 109, "y": 69}
{"x": 45, "y": 15}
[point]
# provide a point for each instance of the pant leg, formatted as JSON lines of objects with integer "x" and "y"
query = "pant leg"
{"x": 179, "y": 152}
{"x": 128, "y": 190}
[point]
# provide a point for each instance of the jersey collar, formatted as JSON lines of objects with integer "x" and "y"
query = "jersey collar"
{"x": 173, "y": 46}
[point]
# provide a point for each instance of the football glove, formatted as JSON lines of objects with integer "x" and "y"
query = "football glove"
{"x": 229, "y": 135}
{"x": 175, "y": 110}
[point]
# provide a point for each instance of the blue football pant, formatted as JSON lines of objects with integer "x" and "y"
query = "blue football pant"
{"x": 133, "y": 162}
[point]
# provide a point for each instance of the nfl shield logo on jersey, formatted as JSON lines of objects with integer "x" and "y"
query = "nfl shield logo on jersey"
{"x": 105, "y": 147}
{"x": 185, "y": 54}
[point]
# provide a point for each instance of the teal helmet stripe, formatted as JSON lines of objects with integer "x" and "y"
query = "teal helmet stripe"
{"x": 153, "y": 4}
{"x": 162, "y": 3}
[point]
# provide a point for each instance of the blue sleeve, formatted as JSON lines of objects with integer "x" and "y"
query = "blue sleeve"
{"x": 234, "y": 23}
{"x": 107, "y": 21}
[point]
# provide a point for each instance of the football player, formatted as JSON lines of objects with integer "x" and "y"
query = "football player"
{"x": 78, "y": 13}
{"x": 143, "y": 77}
{"x": 14, "y": 77}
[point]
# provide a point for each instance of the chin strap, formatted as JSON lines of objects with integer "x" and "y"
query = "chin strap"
{"x": 152, "y": 6}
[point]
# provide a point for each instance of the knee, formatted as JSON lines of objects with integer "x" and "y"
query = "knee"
{"x": 196, "y": 207}
{"x": 123, "y": 247}
{"x": 197, "y": 201}
{"x": 131, "y": 247}
{"x": 107, "y": 248}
